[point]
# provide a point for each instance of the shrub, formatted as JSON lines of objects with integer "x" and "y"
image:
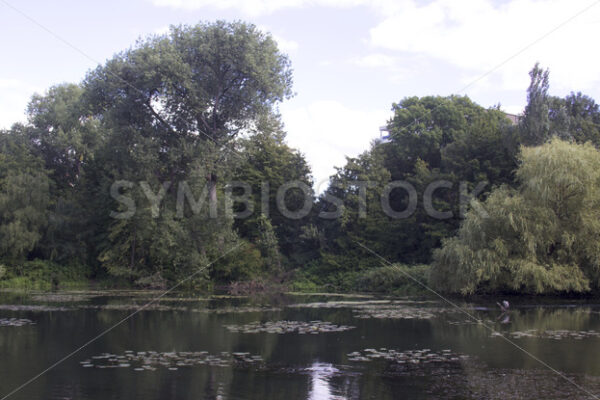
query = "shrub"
{"x": 394, "y": 279}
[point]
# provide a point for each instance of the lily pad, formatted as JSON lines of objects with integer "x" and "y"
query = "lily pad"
{"x": 151, "y": 360}
{"x": 282, "y": 327}
{"x": 15, "y": 322}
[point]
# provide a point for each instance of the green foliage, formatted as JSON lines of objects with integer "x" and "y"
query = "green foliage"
{"x": 268, "y": 245}
{"x": 244, "y": 265}
{"x": 164, "y": 112}
{"x": 536, "y": 123}
{"x": 170, "y": 117}
{"x": 44, "y": 275}
{"x": 432, "y": 139}
{"x": 24, "y": 197}
{"x": 394, "y": 279}
{"x": 305, "y": 285}
{"x": 539, "y": 238}
{"x": 270, "y": 163}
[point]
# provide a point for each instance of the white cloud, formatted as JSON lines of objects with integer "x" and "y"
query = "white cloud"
{"x": 261, "y": 7}
{"x": 327, "y": 131}
{"x": 285, "y": 45}
{"x": 477, "y": 35}
{"x": 375, "y": 60}
{"x": 14, "y": 100}
{"x": 162, "y": 30}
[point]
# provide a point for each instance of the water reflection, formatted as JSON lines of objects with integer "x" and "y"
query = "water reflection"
{"x": 321, "y": 389}
{"x": 300, "y": 366}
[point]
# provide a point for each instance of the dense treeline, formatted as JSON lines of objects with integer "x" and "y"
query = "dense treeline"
{"x": 458, "y": 156}
{"x": 169, "y": 160}
{"x": 109, "y": 174}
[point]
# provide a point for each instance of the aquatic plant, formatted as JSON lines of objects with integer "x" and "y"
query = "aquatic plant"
{"x": 151, "y": 360}
{"x": 15, "y": 322}
{"x": 424, "y": 356}
{"x": 281, "y": 327}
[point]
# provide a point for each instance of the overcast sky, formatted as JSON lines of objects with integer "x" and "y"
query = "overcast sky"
{"x": 351, "y": 58}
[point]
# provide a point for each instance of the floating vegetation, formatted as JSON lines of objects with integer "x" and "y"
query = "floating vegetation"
{"x": 134, "y": 307}
{"x": 157, "y": 306}
{"x": 472, "y": 322}
{"x": 397, "y": 309}
{"x": 550, "y": 334}
{"x": 162, "y": 307}
{"x": 408, "y": 357}
{"x": 394, "y": 312}
{"x": 338, "y": 304}
{"x": 152, "y": 360}
{"x": 16, "y": 322}
{"x": 30, "y": 307}
{"x": 62, "y": 297}
{"x": 347, "y": 295}
{"x": 281, "y": 327}
{"x": 359, "y": 304}
{"x": 232, "y": 310}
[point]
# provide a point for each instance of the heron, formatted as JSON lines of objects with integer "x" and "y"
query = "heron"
{"x": 504, "y": 306}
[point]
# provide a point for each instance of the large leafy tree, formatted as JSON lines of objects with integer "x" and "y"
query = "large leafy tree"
{"x": 541, "y": 237}
{"x": 63, "y": 134}
{"x": 433, "y": 139}
{"x": 171, "y": 107}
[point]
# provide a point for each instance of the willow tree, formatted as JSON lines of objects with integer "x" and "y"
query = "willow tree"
{"x": 542, "y": 237}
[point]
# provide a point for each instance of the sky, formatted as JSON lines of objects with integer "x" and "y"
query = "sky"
{"x": 352, "y": 59}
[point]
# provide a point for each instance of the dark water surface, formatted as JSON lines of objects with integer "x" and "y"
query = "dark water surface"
{"x": 336, "y": 348}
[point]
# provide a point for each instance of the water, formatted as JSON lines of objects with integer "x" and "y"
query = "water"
{"x": 200, "y": 348}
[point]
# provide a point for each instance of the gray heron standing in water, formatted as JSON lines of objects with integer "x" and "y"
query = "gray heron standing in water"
{"x": 504, "y": 306}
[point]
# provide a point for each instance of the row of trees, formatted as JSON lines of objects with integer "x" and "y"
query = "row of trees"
{"x": 471, "y": 153}
{"x": 198, "y": 106}
{"x": 180, "y": 115}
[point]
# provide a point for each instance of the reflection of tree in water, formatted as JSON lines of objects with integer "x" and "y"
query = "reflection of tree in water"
{"x": 480, "y": 382}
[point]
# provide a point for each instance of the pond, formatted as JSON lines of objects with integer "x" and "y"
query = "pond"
{"x": 295, "y": 347}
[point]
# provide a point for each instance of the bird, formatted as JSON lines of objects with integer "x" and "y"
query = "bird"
{"x": 504, "y": 306}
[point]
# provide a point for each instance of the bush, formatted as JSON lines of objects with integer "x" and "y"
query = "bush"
{"x": 542, "y": 237}
{"x": 43, "y": 275}
{"x": 394, "y": 279}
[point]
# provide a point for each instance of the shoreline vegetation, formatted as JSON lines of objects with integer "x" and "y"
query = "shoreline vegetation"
{"x": 124, "y": 180}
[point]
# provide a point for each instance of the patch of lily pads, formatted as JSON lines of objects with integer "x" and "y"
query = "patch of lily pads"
{"x": 62, "y": 297}
{"x": 282, "y": 327}
{"x": 235, "y": 310}
{"x": 31, "y": 307}
{"x": 388, "y": 309}
{"x": 472, "y": 322}
{"x": 408, "y": 357}
{"x": 400, "y": 311}
{"x": 550, "y": 334}
{"x": 359, "y": 304}
{"x": 153, "y": 360}
{"x": 15, "y": 322}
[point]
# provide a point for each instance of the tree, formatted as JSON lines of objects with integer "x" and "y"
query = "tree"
{"x": 433, "y": 139}
{"x": 170, "y": 108}
{"x": 199, "y": 84}
{"x": 542, "y": 237}
{"x": 535, "y": 125}
{"x": 270, "y": 163}
{"x": 24, "y": 197}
